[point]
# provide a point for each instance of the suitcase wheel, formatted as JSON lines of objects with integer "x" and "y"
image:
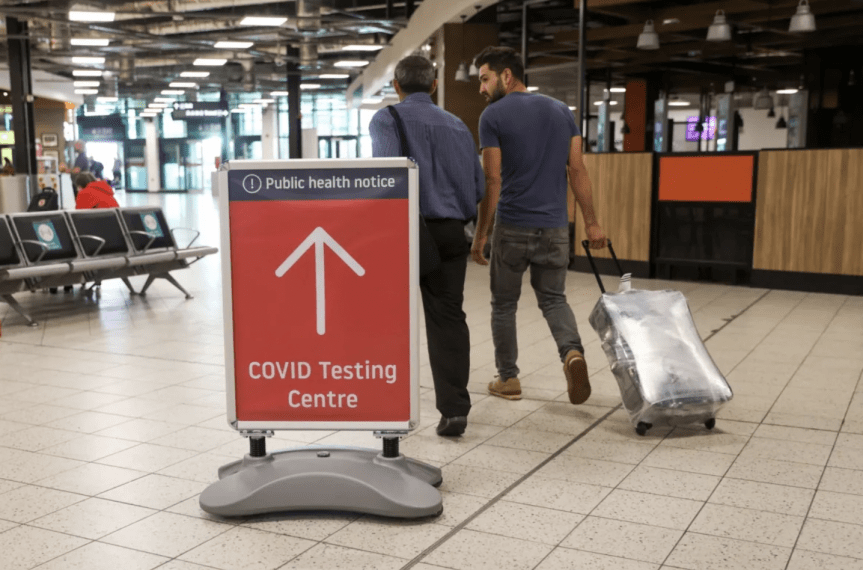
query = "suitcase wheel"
{"x": 710, "y": 424}
{"x": 642, "y": 428}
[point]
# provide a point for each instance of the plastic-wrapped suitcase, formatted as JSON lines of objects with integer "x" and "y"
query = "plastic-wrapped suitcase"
{"x": 663, "y": 370}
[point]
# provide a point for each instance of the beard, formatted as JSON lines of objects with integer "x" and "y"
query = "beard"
{"x": 496, "y": 93}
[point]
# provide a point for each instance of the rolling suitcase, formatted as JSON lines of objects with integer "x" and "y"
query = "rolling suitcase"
{"x": 663, "y": 370}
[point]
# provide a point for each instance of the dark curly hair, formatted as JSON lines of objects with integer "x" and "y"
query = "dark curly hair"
{"x": 499, "y": 58}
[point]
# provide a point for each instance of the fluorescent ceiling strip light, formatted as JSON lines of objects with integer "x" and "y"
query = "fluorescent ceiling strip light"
{"x": 233, "y": 45}
{"x": 163, "y": 100}
{"x": 182, "y": 84}
{"x": 618, "y": 89}
{"x": 83, "y": 59}
{"x": 90, "y": 42}
{"x": 786, "y": 91}
{"x": 262, "y": 21}
{"x": 208, "y": 61}
{"x": 279, "y": 93}
{"x": 310, "y": 86}
{"x": 533, "y": 88}
{"x": 195, "y": 74}
{"x": 81, "y": 16}
{"x": 87, "y": 73}
{"x": 334, "y": 76}
{"x": 172, "y": 92}
{"x": 678, "y": 103}
{"x": 351, "y": 63}
{"x": 362, "y": 47}
{"x": 157, "y": 105}
{"x": 86, "y": 83}
{"x": 598, "y": 103}
{"x": 86, "y": 91}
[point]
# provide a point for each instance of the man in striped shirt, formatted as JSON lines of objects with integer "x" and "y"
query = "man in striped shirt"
{"x": 451, "y": 184}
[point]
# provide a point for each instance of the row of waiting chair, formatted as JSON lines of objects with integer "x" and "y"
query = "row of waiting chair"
{"x": 61, "y": 248}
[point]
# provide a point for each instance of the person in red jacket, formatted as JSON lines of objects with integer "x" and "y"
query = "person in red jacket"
{"x": 93, "y": 193}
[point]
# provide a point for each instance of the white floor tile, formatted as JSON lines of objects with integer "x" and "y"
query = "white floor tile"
{"x": 335, "y": 557}
{"x": 93, "y": 518}
{"x": 567, "y": 559}
{"x": 536, "y": 524}
{"x": 402, "y": 539}
{"x": 678, "y": 484}
{"x": 247, "y": 548}
{"x": 747, "y": 524}
{"x": 98, "y": 556}
{"x": 166, "y": 534}
{"x": 25, "y": 547}
{"x": 155, "y": 491}
{"x": 471, "y": 550}
{"x": 643, "y": 508}
{"x": 698, "y": 551}
{"x": 624, "y": 539}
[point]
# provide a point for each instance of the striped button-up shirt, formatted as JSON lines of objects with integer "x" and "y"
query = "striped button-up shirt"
{"x": 450, "y": 176}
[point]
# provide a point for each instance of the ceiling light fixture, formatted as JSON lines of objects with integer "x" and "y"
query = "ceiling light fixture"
{"x": 163, "y": 100}
{"x": 84, "y": 59}
{"x": 87, "y": 73}
{"x": 362, "y": 47}
{"x": 279, "y": 94}
{"x": 598, "y": 103}
{"x": 233, "y": 45}
{"x": 771, "y": 113}
{"x": 762, "y": 100}
{"x": 803, "y": 20}
{"x": 86, "y": 91}
{"x": 90, "y": 42}
{"x": 533, "y": 88}
{"x": 82, "y": 16}
{"x": 719, "y": 30}
{"x": 781, "y": 124}
{"x": 618, "y": 89}
{"x": 678, "y": 103}
{"x": 473, "y": 70}
{"x": 461, "y": 73}
{"x": 86, "y": 83}
{"x": 648, "y": 39}
{"x": 310, "y": 86}
{"x": 351, "y": 63}
{"x": 262, "y": 21}
{"x": 334, "y": 76}
{"x": 188, "y": 84}
{"x": 195, "y": 74}
{"x": 786, "y": 91}
{"x": 172, "y": 92}
{"x": 208, "y": 61}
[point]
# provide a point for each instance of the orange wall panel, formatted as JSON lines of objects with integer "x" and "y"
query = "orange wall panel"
{"x": 715, "y": 178}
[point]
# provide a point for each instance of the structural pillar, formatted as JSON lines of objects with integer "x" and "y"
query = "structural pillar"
{"x": 151, "y": 155}
{"x": 269, "y": 132}
{"x": 635, "y": 116}
{"x": 21, "y": 88}
{"x": 295, "y": 120}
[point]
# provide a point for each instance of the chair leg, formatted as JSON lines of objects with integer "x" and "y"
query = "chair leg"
{"x": 129, "y": 285}
{"x": 10, "y": 300}
{"x": 150, "y": 279}
{"x": 174, "y": 282}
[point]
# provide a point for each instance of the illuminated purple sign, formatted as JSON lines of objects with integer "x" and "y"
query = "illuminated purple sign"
{"x": 709, "y": 126}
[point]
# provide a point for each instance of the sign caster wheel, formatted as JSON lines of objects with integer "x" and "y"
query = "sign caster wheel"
{"x": 710, "y": 424}
{"x": 642, "y": 428}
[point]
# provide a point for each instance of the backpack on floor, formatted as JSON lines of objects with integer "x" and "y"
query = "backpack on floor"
{"x": 44, "y": 201}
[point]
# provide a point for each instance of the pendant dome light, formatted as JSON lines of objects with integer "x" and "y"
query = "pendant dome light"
{"x": 803, "y": 20}
{"x": 461, "y": 72}
{"x": 648, "y": 39}
{"x": 719, "y": 30}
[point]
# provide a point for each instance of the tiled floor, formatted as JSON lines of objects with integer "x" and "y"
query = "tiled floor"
{"x": 112, "y": 421}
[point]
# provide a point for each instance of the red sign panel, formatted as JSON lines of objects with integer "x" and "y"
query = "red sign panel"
{"x": 321, "y": 301}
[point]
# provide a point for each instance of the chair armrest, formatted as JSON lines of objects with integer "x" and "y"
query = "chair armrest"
{"x": 188, "y": 245}
{"x": 97, "y": 238}
{"x": 149, "y": 243}
{"x": 40, "y": 244}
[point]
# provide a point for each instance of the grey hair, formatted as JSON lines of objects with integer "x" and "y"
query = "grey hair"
{"x": 415, "y": 74}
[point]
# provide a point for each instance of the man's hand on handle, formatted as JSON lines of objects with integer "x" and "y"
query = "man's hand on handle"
{"x": 595, "y": 236}
{"x": 477, "y": 248}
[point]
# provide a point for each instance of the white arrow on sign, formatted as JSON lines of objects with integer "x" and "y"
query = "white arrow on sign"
{"x": 318, "y": 238}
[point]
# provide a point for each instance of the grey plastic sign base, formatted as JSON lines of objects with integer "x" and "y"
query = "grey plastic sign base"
{"x": 325, "y": 479}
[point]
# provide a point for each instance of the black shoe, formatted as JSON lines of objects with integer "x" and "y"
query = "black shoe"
{"x": 452, "y": 426}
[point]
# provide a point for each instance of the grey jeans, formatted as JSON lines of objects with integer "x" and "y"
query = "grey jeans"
{"x": 546, "y": 252}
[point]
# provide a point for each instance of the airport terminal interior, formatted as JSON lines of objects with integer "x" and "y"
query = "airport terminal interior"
{"x": 723, "y": 142}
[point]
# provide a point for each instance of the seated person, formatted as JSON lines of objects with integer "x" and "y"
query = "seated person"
{"x": 93, "y": 193}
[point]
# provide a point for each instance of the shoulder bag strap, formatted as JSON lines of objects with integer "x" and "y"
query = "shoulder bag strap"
{"x": 400, "y": 127}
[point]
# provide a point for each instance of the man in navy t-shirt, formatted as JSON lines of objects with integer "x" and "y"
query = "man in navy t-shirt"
{"x": 529, "y": 142}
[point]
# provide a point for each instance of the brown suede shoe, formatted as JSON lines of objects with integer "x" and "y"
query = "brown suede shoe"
{"x": 509, "y": 389}
{"x": 577, "y": 384}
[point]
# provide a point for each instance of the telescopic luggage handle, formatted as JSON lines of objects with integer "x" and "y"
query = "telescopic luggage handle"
{"x": 586, "y": 245}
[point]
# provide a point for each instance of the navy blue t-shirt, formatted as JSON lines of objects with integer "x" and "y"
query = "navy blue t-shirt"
{"x": 533, "y": 133}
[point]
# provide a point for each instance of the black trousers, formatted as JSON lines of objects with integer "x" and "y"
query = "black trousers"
{"x": 446, "y": 324}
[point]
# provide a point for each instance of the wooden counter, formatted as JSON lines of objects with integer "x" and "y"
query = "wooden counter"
{"x": 809, "y": 212}
{"x": 622, "y": 185}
